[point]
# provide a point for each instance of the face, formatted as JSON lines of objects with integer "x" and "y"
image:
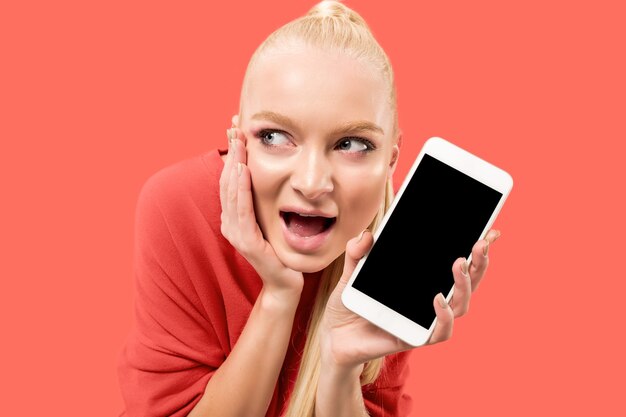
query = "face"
{"x": 320, "y": 150}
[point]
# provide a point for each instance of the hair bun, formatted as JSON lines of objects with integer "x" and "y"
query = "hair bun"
{"x": 330, "y": 8}
{"x": 335, "y": 9}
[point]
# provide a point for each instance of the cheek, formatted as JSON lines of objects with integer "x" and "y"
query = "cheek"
{"x": 363, "y": 193}
{"x": 267, "y": 174}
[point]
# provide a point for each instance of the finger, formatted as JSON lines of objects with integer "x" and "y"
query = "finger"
{"x": 493, "y": 235}
{"x": 355, "y": 249}
{"x": 228, "y": 179}
{"x": 239, "y": 158}
{"x": 462, "y": 288}
{"x": 232, "y": 188}
{"x": 239, "y": 151}
{"x": 225, "y": 176}
{"x": 445, "y": 320}
{"x": 480, "y": 258}
{"x": 248, "y": 226}
{"x": 239, "y": 140}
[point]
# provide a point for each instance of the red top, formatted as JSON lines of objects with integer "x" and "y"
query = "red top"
{"x": 194, "y": 293}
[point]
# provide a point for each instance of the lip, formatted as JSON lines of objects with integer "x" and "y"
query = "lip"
{"x": 306, "y": 244}
{"x": 307, "y": 211}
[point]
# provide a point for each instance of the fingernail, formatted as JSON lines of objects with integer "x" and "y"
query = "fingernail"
{"x": 442, "y": 301}
{"x": 497, "y": 236}
{"x": 239, "y": 168}
{"x": 486, "y": 248}
{"x": 464, "y": 267}
{"x": 361, "y": 236}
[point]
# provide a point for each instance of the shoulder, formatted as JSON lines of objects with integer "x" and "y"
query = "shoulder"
{"x": 188, "y": 178}
{"x": 186, "y": 186}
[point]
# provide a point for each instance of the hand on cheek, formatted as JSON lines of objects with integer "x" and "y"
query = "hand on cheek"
{"x": 239, "y": 225}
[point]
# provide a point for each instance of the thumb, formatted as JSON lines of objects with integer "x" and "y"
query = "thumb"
{"x": 355, "y": 249}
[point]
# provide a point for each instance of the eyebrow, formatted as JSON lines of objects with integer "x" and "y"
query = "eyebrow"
{"x": 352, "y": 126}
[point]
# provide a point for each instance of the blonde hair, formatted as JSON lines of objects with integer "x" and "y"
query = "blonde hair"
{"x": 330, "y": 25}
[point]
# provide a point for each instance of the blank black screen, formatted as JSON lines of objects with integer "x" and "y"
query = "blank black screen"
{"x": 439, "y": 217}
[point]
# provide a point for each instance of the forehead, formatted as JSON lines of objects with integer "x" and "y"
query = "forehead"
{"x": 310, "y": 84}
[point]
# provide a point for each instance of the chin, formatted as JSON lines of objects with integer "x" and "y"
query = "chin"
{"x": 305, "y": 263}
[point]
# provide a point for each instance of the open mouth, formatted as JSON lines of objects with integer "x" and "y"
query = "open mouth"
{"x": 305, "y": 225}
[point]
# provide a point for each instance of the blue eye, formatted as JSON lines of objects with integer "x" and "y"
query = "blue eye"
{"x": 273, "y": 138}
{"x": 355, "y": 145}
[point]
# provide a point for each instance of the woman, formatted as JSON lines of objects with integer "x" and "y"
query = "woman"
{"x": 241, "y": 315}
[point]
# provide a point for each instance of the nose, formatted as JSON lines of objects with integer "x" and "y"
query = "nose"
{"x": 312, "y": 175}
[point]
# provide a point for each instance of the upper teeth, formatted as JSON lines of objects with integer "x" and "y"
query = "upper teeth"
{"x": 307, "y": 215}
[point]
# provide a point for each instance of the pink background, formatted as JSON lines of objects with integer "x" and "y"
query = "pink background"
{"x": 95, "y": 96}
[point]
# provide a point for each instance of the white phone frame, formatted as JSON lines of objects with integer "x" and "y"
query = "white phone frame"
{"x": 379, "y": 314}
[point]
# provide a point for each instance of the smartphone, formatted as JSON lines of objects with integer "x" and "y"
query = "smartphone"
{"x": 448, "y": 201}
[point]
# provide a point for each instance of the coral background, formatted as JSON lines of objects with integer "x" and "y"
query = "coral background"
{"x": 95, "y": 96}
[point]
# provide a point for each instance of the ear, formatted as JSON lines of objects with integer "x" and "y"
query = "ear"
{"x": 235, "y": 120}
{"x": 395, "y": 154}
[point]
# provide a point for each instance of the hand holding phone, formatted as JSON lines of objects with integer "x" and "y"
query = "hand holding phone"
{"x": 448, "y": 201}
